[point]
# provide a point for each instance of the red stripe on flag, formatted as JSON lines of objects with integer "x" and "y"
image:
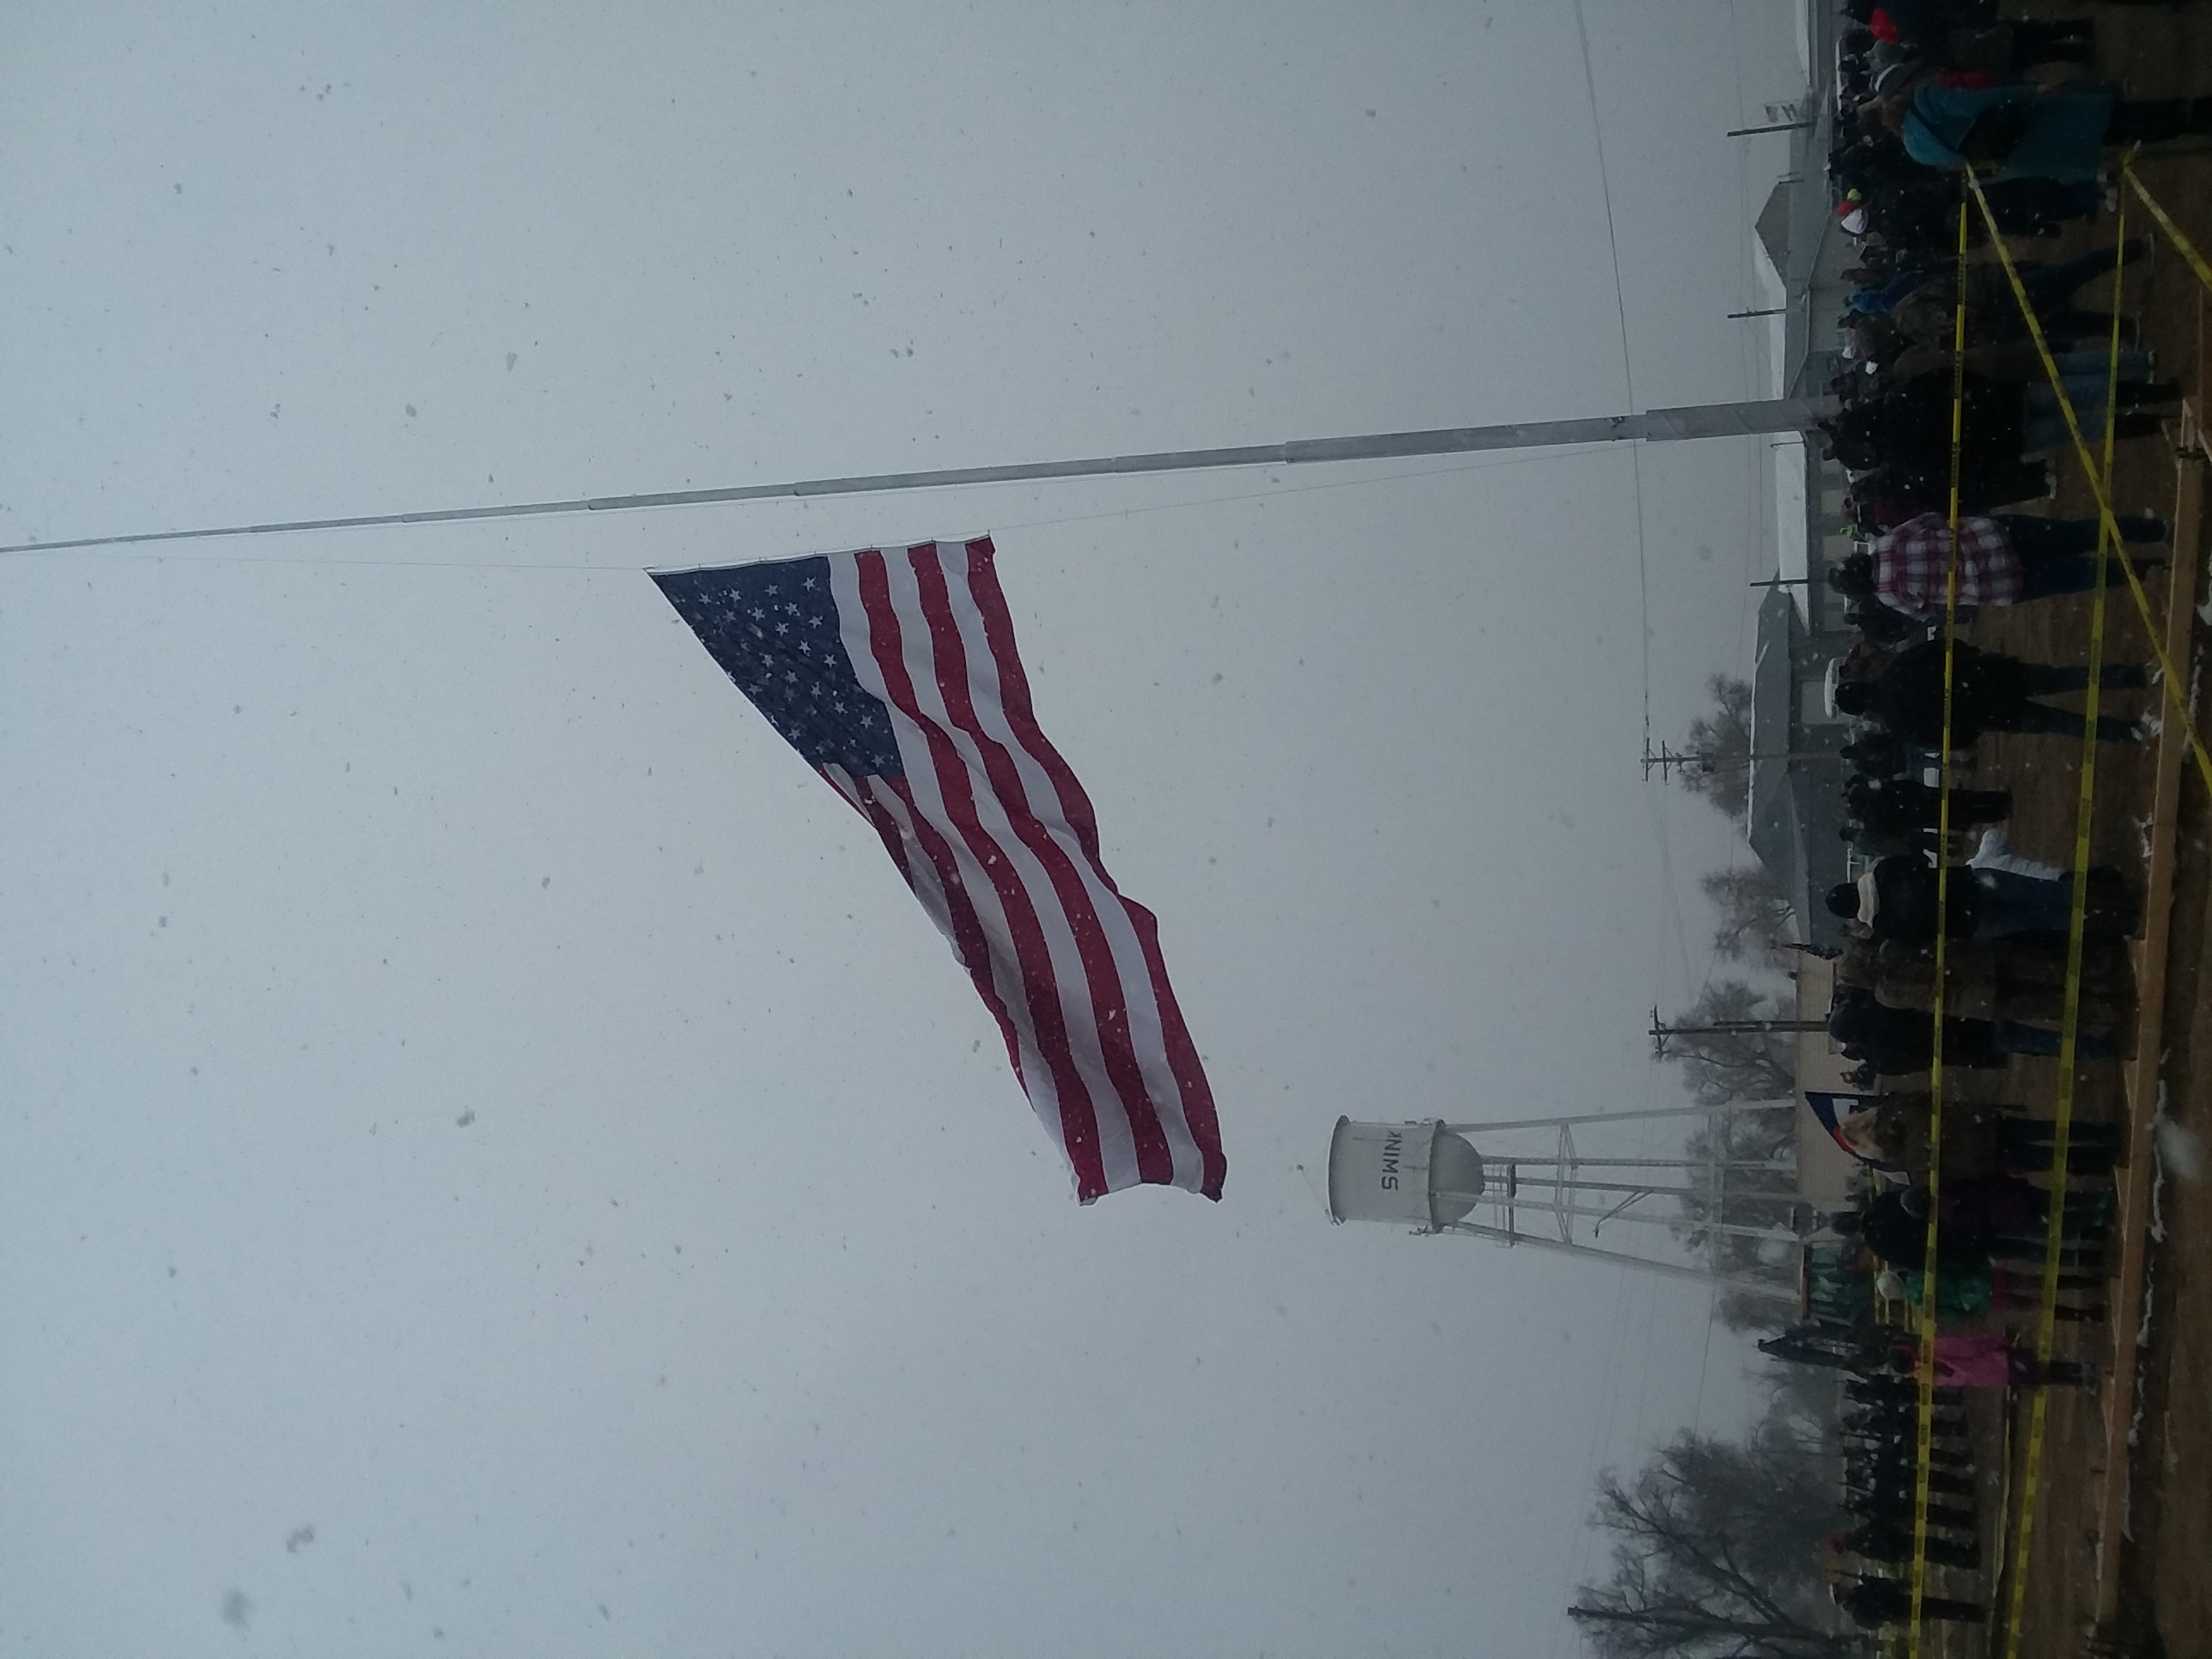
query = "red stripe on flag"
{"x": 1110, "y": 1013}
{"x": 1046, "y": 1020}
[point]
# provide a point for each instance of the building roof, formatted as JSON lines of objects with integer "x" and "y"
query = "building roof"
{"x": 1798, "y": 229}
{"x": 1773, "y": 226}
{"x": 1772, "y": 827}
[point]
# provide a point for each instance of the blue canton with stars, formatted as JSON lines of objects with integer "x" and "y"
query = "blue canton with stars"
{"x": 774, "y": 629}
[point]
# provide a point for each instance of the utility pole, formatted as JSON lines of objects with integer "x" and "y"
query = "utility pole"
{"x": 1667, "y": 759}
{"x": 1661, "y": 1030}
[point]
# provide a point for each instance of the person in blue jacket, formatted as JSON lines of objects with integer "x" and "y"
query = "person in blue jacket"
{"x": 2029, "y": 132}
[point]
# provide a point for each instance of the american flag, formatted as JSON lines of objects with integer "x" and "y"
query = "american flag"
{"x": 895, "y": 676}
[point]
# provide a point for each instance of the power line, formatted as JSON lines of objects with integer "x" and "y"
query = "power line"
{"x": 1627, "y": 362}
{"x": 1636, "y": 461}
{"x": 1705, "y": 1359}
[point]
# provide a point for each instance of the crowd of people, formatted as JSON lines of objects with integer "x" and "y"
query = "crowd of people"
{"x": 1926, "y": 88}
{"x": 1988, "y": 1215}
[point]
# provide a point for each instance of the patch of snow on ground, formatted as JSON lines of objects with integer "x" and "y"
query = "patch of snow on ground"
{"x": 2180, "y": 1151}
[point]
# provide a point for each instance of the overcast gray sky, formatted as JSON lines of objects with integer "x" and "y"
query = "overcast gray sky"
{"x": 492, "y": 1160}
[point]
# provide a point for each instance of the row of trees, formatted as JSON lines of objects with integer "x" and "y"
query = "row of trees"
{"x": 1725, "y": 1068}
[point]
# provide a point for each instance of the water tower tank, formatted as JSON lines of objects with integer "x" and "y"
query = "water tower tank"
{"x": 1418, "y": 1172}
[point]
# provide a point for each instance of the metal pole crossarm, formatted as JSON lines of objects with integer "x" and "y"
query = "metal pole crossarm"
{"x": 1738, "y": 1028}
{"x": 1653, "y": 426}
{"x": 1536, "y": 1204}
{"x": 1570, "y": 1178}
{"x": 1626, "y": 1117}
{"x": 1768, "y": 1165}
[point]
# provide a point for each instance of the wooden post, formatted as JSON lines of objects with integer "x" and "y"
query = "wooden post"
{"x": 2141, "y": 1070}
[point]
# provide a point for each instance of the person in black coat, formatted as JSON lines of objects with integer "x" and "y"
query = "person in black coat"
{"x": 1898, "y": 1427}
{"x": 1878, "y": 622}
{"x": 1897, "y": 1391}
{"x": 1975, "y": 1226}
{"x": 1895, "y": 1231}
{"x": 1944, "y": 1450}
{"x": 1888, "y": 1504}
{"x": 1894, "y": 1468}
{"x": 1901, "y": 1041}
{"x": 1909, "y": 425}
{"x": 1877, "y": 754}
{"x": 1897, "y": 806}
{"x": 1897, "y": 1041}
{"x": 1893, "y": 492}
{"x": 1874, "y": 1602}
{"x": 1896, "y": 899}
{"x": 1990, "y": 692}
{"x": 1886, "y": 1540}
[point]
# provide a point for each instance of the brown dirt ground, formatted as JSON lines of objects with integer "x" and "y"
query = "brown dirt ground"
{"x": 2167, "y": 1565}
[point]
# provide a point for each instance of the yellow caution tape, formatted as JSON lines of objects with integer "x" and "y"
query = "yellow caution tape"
{"x": 2188, "y": 249}
{"x": 2176, "y": 682}
{"x": 2069, "y": 1023}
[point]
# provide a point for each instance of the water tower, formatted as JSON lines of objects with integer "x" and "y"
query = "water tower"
{"x": 1530, "y": 1182}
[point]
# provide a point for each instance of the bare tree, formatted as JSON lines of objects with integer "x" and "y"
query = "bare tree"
{"x": 1716, "y": 1551}
{"x": 1720, "y": 748}
{"x": 1754, "y": 910}
{"x": 1725, "y": 1065}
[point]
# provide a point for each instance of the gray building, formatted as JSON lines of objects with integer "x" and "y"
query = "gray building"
{"x": 1796, "y": 815}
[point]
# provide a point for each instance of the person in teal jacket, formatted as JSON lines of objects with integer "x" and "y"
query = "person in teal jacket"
{"x": 2028, "y": 132}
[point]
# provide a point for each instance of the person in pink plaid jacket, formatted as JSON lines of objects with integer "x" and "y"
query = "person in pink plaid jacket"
{"x": 2003, "y": 560}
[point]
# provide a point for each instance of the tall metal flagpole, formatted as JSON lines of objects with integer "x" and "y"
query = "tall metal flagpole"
{"x": 1653, "y": 426}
